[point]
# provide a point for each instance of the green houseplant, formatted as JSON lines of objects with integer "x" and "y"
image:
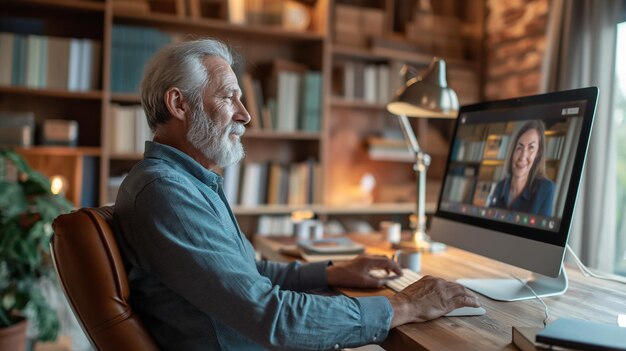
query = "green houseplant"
{"x": 27, "y": 209}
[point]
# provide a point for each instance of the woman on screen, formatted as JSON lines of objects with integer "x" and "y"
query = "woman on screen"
{"x": 526, "y": 188}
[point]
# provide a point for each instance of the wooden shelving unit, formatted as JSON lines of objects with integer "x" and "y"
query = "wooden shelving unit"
{"x": 339, "y": 145}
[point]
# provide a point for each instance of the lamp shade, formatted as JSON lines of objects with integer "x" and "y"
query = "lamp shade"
{"x": 427, "y": 96}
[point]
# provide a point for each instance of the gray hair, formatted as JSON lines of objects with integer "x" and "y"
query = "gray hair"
{"x": 178, "y": 65}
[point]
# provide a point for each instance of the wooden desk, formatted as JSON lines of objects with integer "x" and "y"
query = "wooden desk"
{"x": 586, "y": 298}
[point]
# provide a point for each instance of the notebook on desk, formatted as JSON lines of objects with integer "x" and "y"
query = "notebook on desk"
{"x": 580, "y": 334}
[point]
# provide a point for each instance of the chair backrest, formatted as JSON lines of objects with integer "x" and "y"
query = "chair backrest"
{"x": 89, "y": 265}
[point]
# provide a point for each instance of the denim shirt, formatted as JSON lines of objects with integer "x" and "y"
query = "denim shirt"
{"x": 539, "y": 202}
{"x": 194, "y": 279}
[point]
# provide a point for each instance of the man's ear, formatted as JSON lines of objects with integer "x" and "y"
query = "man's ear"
{"x": 176, "y": 103}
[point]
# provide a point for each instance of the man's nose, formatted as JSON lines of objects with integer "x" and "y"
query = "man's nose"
{"x": 241, "y": 114}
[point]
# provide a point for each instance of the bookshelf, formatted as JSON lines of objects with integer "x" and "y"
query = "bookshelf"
{"x": 337, "y": 142}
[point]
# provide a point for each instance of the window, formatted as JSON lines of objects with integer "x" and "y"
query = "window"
{"x": 619, "y": 116}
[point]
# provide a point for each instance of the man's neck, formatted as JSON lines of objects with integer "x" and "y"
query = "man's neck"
{"x": 184, "y": 146}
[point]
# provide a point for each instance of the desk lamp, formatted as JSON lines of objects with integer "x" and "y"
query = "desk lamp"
{"x": 423, "y": 96}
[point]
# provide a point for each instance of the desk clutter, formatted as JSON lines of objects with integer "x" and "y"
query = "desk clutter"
{"x": 315, "y": 250}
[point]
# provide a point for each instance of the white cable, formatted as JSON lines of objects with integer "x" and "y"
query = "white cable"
{"x": 588, "y": 273}
{"x": 545, "y": 307}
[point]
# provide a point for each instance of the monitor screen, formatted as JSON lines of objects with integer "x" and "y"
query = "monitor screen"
{"x": 512, "y": 177}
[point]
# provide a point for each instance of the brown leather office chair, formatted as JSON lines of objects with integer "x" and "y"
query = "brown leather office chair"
{"x": 88, "y": 262}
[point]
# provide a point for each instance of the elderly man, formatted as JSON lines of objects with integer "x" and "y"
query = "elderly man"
{"x": 193, "y": 275}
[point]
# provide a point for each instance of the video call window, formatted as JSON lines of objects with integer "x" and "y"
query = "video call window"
{"x": 514, "y": 165}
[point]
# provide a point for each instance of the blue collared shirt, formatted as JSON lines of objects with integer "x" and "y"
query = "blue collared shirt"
{"x": 196, "y": 284}
{"x": 539, "y": 202}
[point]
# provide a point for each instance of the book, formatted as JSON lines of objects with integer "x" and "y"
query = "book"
{"x": 6, "y": 57}
{"x": 524, "y": 338}
{"x": 583, "y": 335}
{"x": 142, "y": 129}
{"x": 232, "y": 174}
{"x": 310, "y": 106}
{"x": 236, "y": 11}
{"x": 250, "y": 102}
{"x": 122, "y": 132}
{"x": 74, "y": 64}
{"x": 33, "y": 55}
{"x": 58, "y": 59}
{"x": 251, "y": 182}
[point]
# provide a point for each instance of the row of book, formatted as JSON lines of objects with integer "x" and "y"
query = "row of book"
{"x": 128, "y": 129}
{"x": 37, "y": 61}
{"x": 258, "y": 183}
{"x": 468, "y": 151}
{"x": 554, "y": 147}
{"x": 293, "y": 103}
{"x": 131, "y": 48}
{"x": 370, "y": 82}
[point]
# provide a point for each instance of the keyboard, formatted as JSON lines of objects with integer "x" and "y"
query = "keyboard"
{"x": 409, "y": 277}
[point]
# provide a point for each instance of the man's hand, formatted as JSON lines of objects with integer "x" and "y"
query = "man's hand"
{"x": 355, "y": 273}
{"x": 428, "y": 299}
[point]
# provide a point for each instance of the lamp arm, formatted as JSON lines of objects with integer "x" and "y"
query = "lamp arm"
{"x": 409, "y": 134}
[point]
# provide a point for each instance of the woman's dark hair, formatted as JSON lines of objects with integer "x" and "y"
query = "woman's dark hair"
{"x": 538, "y": 169}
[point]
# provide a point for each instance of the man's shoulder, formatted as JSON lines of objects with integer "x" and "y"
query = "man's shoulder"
{"x": 150, "y": 172}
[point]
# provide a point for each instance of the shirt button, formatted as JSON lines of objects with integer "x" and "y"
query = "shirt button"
{"x": 336, "y": 347}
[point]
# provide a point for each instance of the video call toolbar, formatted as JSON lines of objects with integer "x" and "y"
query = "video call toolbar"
{"x": 519, "y": 218}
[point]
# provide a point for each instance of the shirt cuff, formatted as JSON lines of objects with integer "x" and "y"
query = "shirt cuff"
{"x": 376, "y": 315}
{"x": 313, "y": 276}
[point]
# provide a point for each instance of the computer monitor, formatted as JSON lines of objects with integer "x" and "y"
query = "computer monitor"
{"x": 510, "y": 186}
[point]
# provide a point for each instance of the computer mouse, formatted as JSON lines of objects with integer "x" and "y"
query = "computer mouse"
{"x": 466, "y": 311}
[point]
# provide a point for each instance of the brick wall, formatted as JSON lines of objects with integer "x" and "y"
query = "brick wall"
{"x": 515, "y": 43}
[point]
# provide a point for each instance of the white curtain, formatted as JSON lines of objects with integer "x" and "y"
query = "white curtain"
{"x": 580, "y": 52}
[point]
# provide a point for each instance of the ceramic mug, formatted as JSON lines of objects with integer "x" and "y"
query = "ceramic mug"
{"x": 390, "y": 231}
{"x": 409, "y": 259}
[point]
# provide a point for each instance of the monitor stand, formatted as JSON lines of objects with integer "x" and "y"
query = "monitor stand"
{"x": 513, "y": 290}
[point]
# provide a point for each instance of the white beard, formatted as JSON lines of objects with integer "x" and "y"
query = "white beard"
{"x": 214, "y": 142}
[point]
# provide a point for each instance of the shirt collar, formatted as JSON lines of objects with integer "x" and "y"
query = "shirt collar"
{"x": 182, "y": 162}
